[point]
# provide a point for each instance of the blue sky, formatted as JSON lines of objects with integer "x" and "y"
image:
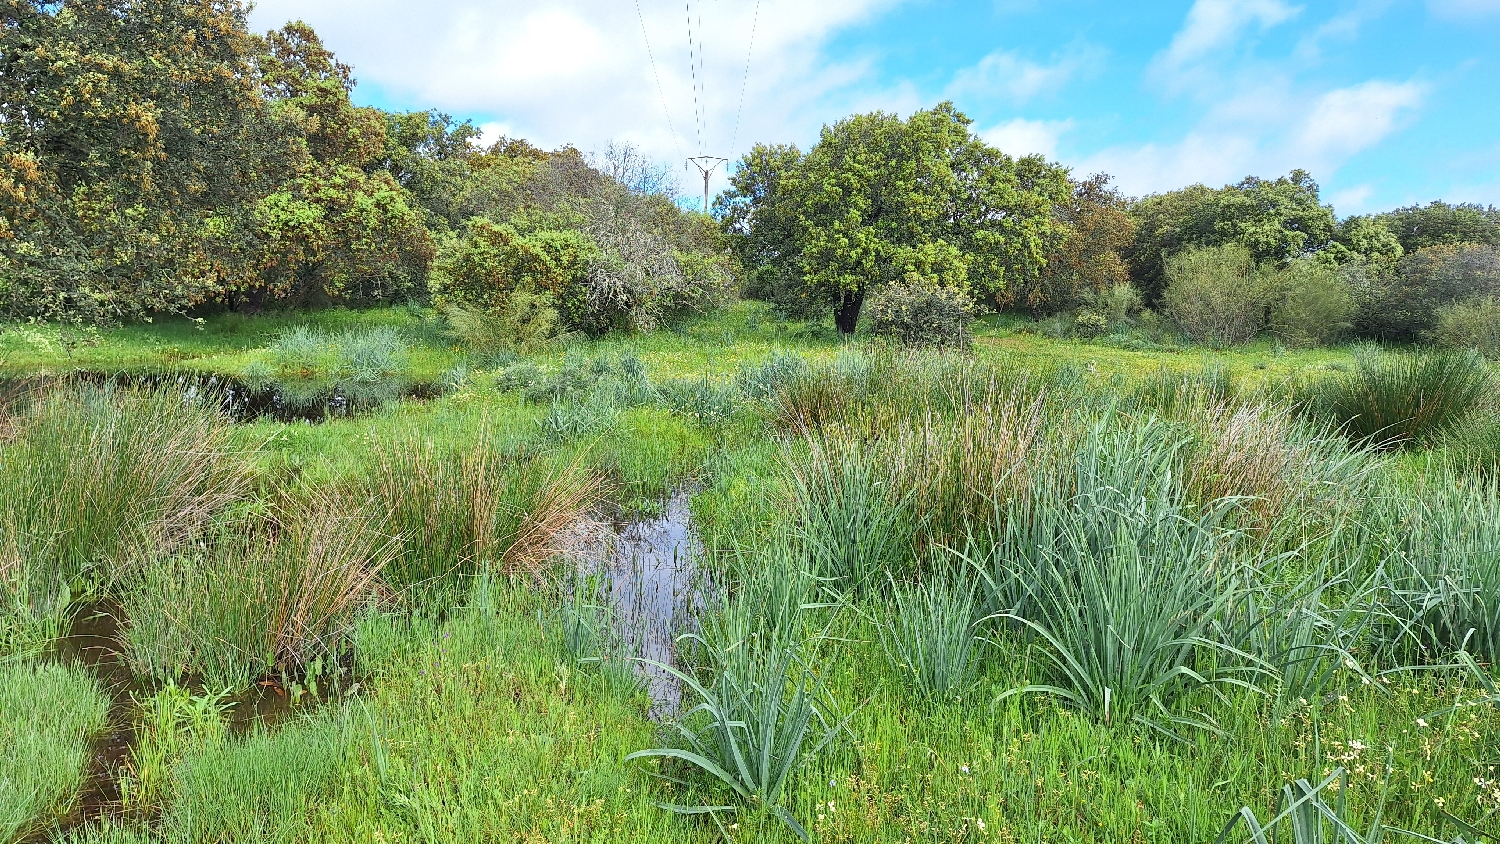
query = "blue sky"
{"x": 1386, "y": 102}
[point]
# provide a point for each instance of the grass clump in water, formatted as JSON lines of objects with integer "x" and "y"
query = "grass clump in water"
{"x": 260, "y": 597}
{"x": 48, "y": 715}
{"x": 457, "y": 513}
{"x": 94, "y": 479}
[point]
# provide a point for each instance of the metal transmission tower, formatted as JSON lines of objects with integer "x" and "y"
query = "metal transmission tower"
{"x": 706, "y": 165}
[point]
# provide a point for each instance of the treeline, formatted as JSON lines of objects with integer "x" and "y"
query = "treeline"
{"x": 930, "y": 224}
{"x": 158, "y": 157}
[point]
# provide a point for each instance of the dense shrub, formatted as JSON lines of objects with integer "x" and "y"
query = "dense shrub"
{"x": 1311, "y": 304}
{"x": 916, "y": 313}
{"x": 1470, "y": 324}
{"x": 1216, "y": 295}
{"x": 1402, "y": 302}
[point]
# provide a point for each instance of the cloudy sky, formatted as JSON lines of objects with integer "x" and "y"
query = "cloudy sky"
{"x": 1386, "y": 102}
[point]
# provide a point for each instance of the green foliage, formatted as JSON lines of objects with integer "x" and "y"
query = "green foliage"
{"x": 1401, "y": 302}
{"x": 930, "y": 635}
{"x": 1470, "y": 324}
{"x": 258, "y": 598}
{"x": 753, "y": 724}
{"x": 263, "y": 788}
{"x": 1400, "y": 399}
{"x": 879, "y": 199}
{"x": 135, "y": 148}
{"x": 481, "y": 269}
{"x": 856, "y": 523}
{"x": 1276, "y": 220}
{"x": 361, "y": 369}
{"x": 1311, "y": 304}
{"x": 1445, "y": 569}
{"x": 456, "y": 513}
{"x": 429, "y": 154}
{"x": 48, "y": 716}
{"x": 526, "y": 323}
{"x": 1442, "y": 224}
{"x": 920, "y": 314}
{"x": 1120, "y": 582}
{"x": 1216, "y": 295}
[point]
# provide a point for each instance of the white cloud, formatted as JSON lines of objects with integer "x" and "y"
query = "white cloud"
{"x": 578, "y": 71}
{"x": 1007, "y": 75}
{"x": 1348, "y": 120}
{"x": 1024, "y": 137}
{"x": 1214, "y": 25}
{"x": 1266, "y": 131}
{"x": 1353, "y": 200}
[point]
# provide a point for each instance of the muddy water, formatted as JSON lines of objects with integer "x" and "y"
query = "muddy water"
{"x": 656, "y": 591}
{"x": 236, "y": 398}
{"x": 93, "y": 643}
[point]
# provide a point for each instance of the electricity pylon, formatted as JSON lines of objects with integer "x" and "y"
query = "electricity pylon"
{"x": 706, "y": 165}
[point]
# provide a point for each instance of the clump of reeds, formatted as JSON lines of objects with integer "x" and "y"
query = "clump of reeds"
{"x": 930, "y": 633}
{"x": 97, "y": 477}
{"x": 1445, "y": 567}
{"x": 260, "y": 596}
{"x": 1400, "y": 400}
{"x": 1279, "y": 465}
{"x": 456, "y": 513}
{"x": 856, "y": 523}
{"x": 1117, "y": 579}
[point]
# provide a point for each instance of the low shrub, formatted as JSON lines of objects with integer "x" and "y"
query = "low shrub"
{"x": 1311, "y": 304}
{"x": 355, "y": 369}
{"x": 1216, "y": 295}
{"x": 1470, "y": 324}
{"x": 48, "y": 716}
{"x": 921, "y": 314}
{"x": 1400, "y": 399}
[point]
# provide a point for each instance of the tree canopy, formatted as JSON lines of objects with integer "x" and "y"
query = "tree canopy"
{"x": 880, "y": 199}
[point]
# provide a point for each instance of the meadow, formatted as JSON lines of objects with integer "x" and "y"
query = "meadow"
{"x": 1047, "y": 590}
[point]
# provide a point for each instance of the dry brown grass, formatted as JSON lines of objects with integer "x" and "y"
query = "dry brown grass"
{"x": 328, "y": 557}
{"x": 457, "y": 512}
{"x": 1266, "y": 456}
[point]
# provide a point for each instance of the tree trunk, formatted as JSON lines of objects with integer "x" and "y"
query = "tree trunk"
{"x": 846, "y": 317}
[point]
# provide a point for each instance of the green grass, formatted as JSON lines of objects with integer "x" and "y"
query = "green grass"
{"x": 94, "y": 481}
{"x": 1148, "y": 514}
{"x": 48, "y": 715}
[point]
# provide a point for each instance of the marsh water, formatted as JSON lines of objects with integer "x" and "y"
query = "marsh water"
{"x": 656, "y": 591}
{"x": 93, "y": 643}
{"x": 236, "y": 398}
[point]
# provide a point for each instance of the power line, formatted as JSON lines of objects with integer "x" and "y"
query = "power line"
{"x": 754, "y": 22}
{"x": 694, "y": 62}
{"x": 661, "y": 92}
